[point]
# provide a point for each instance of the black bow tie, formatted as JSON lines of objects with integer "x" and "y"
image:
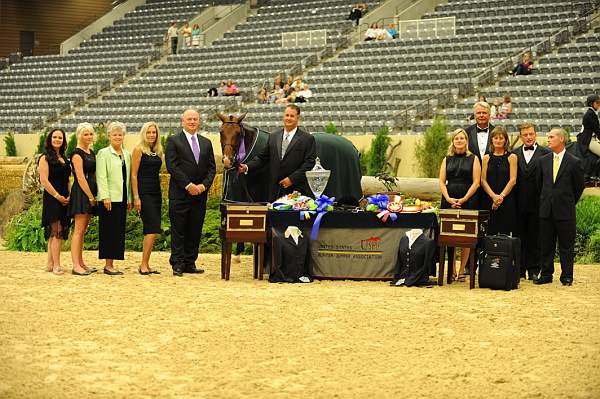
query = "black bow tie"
{"x": 480, "y": 130}
{"x": 529, "y": 148}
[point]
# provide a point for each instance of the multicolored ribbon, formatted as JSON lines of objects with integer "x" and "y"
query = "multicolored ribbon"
{"x": 323, "y": 203}
{"x": 378, "y": 203}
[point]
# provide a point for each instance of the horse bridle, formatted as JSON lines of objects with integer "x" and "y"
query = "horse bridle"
{"x": 235, "y": 149}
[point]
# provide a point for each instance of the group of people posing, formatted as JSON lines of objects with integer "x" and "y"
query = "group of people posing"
{"x": 530, "y": 192}
{"x": 115, "y": 181}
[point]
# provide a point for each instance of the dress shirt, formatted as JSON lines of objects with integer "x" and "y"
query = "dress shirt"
{"x": 561, "y": 155}
{"x": 529, "y": 154}
{"x": 290, "y": 134}
{"x": 188, "y": 136}
{"x": 482, "y": 140}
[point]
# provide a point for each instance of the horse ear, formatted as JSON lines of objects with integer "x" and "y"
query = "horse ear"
{"x": 241, "y": 117}
{"x": 221, "y": 117}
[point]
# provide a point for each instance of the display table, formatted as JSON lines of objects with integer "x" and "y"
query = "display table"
{"x": 354, "y": 245}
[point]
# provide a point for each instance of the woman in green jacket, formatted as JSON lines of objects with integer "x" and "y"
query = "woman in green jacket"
{"x": 113, "y": 171}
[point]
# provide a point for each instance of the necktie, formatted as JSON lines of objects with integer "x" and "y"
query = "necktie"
{"x": 284, "y": 144}
{"x": 555, "y": 166}
{"x": 195, "y": 148}
{"x": 480, "y": 130}
{"x": 528, "y": 148}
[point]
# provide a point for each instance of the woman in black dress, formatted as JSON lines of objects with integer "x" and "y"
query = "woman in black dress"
{"x": 460, "y": 174}
{"x": 498, "y": 177}
{"x": 146, "y": 162}
{"x": 82, "y": 203}
{"x": 54, "y": 171}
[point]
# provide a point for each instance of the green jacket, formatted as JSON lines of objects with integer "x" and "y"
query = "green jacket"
{"x": 109, "y": 175}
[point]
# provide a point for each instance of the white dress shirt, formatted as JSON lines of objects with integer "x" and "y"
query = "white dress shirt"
{"x": 529, "y": 154}
{"x": 482, "y": 141}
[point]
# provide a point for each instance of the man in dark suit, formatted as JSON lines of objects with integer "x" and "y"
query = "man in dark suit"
{"x": 191, "y": 164}
{"x": 480, "y": 133}
{"x": 290, "y": 152}
{"x": 560, "y": 178}
{"x": 528, "y": 199}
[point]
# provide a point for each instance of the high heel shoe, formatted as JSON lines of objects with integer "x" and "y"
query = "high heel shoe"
{"x": 85, "y": 273}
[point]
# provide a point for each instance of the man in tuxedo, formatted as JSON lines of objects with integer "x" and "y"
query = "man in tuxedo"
{"x": 560, "y": 178}
{"x": 480, "y": 139}
{"x": 528, "y": 199}
{"x": 191, "y": 164}
{"x": 479, "y": 133}
{"x": 290, "y": 152}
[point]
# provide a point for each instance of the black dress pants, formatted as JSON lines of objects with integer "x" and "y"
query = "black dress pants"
{"x": 550, "y": 231}
{"x": 111, "y": 231}
{"x": 528, "y": 230}
{"x": 187, "y": 219}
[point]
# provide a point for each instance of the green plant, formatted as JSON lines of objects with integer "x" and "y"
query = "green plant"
{"x": 101, "y": 139}
{"x": 432, "y": 148}
{"x": 376, "y": 162}
{"x": 587, "y": 225}
{"x": 9, "y": 145}
{"x": 25, "y": 232}
{"x": 163, "y": 139}
{"x": 71, "y": 145}
{"x": 331, "y": 129}
{"x": 41, "y": 142}
{"x": 364, "y": 161}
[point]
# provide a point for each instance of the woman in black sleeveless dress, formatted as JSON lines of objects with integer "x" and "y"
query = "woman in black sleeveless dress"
{"x": 54, "y": 175}
{"x": 146, "y": 162}
{"x": 460, "y": 175}
{"x": 498, "y": 177}
{"x": 82, "y": 203}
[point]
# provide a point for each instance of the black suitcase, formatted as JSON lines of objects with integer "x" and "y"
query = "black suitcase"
{"x": 500, "y": 263}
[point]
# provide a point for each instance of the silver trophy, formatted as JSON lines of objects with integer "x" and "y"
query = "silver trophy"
{"x": 317, "y": 178}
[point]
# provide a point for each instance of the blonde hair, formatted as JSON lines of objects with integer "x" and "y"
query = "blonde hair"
{"x": 83, "y": 127}
{"x": 483, "y": 105}
{"x": 451, "y": 148}
{"x": 143, "y": 144}
{"x": 116, "y": 126}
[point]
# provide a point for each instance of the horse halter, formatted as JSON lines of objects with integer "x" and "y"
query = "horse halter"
{"x": 235, "y": 148}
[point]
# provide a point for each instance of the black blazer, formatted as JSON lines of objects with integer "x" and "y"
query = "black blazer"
{"x": 558, "y": 199}
{"x": 183, "y": 168}
{"x": 590, "y": 126}
{"x": 528, "y": 196}
{"x": 474, "y": 144}
{"x": 299, "y": 158}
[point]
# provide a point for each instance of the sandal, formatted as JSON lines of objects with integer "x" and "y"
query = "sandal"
{"x": 461, "y": 278}
{"x": 58, "y": 270}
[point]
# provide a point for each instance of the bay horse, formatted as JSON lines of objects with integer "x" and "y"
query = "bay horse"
{"x": 240, "y": 143}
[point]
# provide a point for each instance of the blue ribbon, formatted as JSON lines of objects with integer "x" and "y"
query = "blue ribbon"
{"x": 323, "y": 202}
{"x": 380, "y": 200}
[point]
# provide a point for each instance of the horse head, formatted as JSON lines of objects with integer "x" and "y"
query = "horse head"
{"x": 230, "y": 133}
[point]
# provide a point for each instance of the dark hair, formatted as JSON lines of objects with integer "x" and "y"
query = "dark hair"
{"x": 294, "y": 107}
{"x": 49, "y": 152}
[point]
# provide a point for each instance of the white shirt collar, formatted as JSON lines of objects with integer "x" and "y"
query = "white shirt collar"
{"x": 290, "y": 134}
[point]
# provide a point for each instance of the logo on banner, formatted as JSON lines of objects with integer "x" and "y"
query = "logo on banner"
{"x": 371, "y": 244}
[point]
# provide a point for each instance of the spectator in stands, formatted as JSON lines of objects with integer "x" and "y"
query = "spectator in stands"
{"x": 494, "y": 108}
{"x": 186, "y": 32}
{"x": 146, "y": 162}
{"x": 290, "y": 80}
{"x": 196, "y": 32}
{"x": 304, "y": 95}
{"x": 277, "y": 83}
{"x": 113, "y": 172}
{"x": 459, "y": 180}
{"x": 82, "y": 201}
{"x": 216, "y": 91}
{"x": 297, "y": 83}
{"x": 230, "y": 89}
{"x": 505, "y": 109}
{"x": 172, "y": 38}
{"x": 276, "y": 95}
{"x": 358, "y": 10}
{"x": 392, "y": 31}
{"x": 498, "y": 177}
{"x": 372, "y": 33}
{"x": 262, "y": 96}
{"x": 287, "y": 91}
{"x": 525, "y": 67}
{"x": 55, "y": 170}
